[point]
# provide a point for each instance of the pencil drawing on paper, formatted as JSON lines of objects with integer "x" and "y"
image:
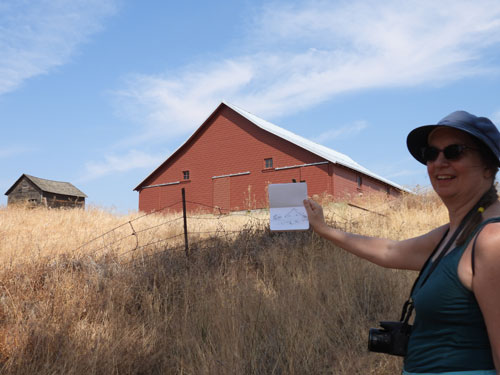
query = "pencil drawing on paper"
{"x": 286, "y": 209}
{"x": 290, "y": 218}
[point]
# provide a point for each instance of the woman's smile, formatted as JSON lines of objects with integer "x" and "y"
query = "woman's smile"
{"x": 444, "y": 177}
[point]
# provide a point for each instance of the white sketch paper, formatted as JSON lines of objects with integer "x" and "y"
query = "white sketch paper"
{"x": 286, "y": 207}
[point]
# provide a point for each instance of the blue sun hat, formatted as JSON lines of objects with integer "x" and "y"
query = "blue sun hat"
{"x": 480, "y": 128}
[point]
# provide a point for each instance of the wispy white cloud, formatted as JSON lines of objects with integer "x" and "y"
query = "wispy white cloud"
{"x": 347, "y": 131}
{"x": 11, "y": 151}
{"x": 405, "y": 168}
{"x": 308, "y": 52}
{"x": 406, "y": 172}
{"x": 114, "y": 163}
{"x": 172, "y": 106}
{"x": 36, "y": 36}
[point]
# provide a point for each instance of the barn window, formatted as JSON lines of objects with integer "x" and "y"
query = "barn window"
{"x": 185, "y": 174}
{"x": 360, "y": 182}
{"x": 268, "y": 163}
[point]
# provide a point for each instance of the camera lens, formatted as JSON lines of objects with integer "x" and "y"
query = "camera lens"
{"x": 379, "y": 341}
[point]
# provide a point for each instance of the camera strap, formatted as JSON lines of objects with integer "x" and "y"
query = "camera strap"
{"x": 408, "y": 305}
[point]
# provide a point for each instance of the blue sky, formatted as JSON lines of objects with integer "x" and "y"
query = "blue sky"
{"x": 100, "y": 92}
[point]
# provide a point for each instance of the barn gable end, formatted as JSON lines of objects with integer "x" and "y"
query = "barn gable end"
{"x": 232, "y": 157}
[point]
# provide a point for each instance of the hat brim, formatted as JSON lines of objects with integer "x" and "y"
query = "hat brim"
{"x": 417, "y": 139}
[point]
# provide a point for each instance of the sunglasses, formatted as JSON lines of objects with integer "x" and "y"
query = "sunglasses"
{"x": 450, "y": 152}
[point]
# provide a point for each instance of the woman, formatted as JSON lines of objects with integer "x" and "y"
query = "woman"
{"x": 457, "y": 306}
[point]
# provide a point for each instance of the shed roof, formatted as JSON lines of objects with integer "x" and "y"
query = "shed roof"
{"x": 320, "y": 150}
{"x": 50, "y": 186}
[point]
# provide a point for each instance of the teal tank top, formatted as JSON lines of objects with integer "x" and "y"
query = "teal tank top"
{"x": 449, "y": 333}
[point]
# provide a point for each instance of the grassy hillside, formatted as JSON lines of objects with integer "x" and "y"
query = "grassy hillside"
{"x": 246, "y": 301}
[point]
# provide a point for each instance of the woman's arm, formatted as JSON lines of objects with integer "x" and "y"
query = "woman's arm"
{"x": 409, "y": 254}
{"x": 486, "y": 284}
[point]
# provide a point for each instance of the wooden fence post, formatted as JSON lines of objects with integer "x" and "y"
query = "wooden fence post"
{"x": 186, "y": 246}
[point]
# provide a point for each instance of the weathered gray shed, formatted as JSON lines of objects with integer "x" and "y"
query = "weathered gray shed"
{"x": 48, "y": 193}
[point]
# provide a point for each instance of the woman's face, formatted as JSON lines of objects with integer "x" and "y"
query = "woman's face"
{"x": 461, "y": 178}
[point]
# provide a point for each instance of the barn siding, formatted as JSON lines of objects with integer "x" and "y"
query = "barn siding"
{"x": 148, "y": 199}
{"x": 371, "y": 185}
{"x": 25, "y": 191}
{"x": 229, "y": 144}
{"x": 345, "y": 182}
{"x": 61, "y": 200}
{"x": 242, "y": 194}
{"x": 317, "y": 178}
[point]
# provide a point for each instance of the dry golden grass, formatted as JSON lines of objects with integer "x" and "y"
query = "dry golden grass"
{"x": 247, "y": 301}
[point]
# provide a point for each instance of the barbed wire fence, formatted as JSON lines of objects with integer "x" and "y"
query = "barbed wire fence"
{"x": 171, "y": 232}
{"x": 137, "y": 236}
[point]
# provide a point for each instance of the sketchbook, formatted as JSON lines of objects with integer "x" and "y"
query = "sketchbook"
{"x": 286, "y": 207}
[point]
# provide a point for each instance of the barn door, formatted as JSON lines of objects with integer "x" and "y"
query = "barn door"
{"x": 221, "y": 193}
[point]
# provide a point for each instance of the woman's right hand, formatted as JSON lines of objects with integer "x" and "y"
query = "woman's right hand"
{"x": 315, "y": 215}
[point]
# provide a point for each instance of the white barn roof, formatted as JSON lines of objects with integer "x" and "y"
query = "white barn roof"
{"x": 320, "y": 150}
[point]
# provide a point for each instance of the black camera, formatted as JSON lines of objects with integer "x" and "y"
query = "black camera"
{"x": 391, "y": 339}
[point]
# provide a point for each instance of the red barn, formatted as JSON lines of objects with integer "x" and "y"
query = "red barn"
{"x": 232, "y": 157}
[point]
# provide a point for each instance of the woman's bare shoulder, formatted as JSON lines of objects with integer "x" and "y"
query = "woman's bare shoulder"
{"x": 487, "y": 248}
{"x": 492, "y": 211}
{"x": 489, "y": 237}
